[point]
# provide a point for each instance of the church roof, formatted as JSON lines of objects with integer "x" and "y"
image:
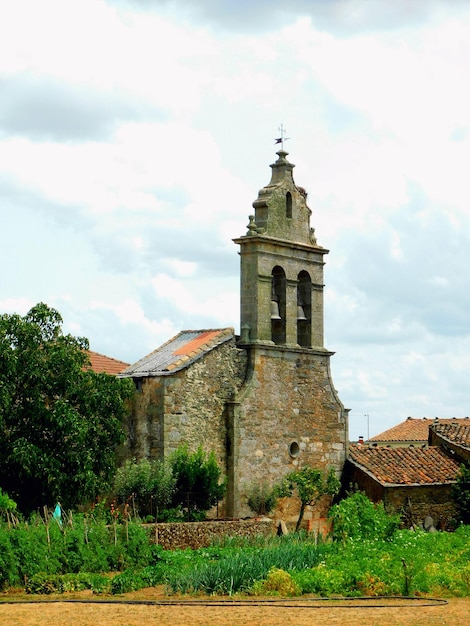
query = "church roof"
{"x": 405, "y": 466}
{"x": 101, "y": 363}
{"x": 415, "y": 429}
{"x": 179, "y": 352}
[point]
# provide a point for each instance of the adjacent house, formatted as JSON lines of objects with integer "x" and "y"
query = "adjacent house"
{"x": 100, "y": 363}
{"x": 412, "y": 467}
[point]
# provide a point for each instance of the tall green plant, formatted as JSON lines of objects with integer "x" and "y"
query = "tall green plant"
{"x": 262, "y": 499}
{"x": 310, "y": 485}
{"x": 198, "y": 481}
{"x": 356, "y": 517}
{"x": 461, "y": 493}
{"x": 148, "y": 485}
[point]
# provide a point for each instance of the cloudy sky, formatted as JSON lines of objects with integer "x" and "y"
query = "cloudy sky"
{"x": 135, "y": 134}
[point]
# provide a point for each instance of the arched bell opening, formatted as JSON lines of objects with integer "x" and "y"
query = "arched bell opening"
{"x": 278, "y": 305}
{"x": 304, "y": 309}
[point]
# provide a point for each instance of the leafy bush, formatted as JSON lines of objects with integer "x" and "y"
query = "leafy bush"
{"x": 262, "y": 499}
{"x": 356, "y": 517}
{"x": 278, "y": 583}
{"x": 46, "y": 583}
{"x": 198, "y": 487}
{"x": 149, "y": 485}
{"x": 461, "y": 493}
{"x": 321, "y": 581}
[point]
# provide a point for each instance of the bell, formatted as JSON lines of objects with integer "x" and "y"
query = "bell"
{"x": 275, "y": 310}
{"x": 300, "y": 313}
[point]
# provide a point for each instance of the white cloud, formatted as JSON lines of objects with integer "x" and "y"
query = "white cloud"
{"x": 133, "y": 142}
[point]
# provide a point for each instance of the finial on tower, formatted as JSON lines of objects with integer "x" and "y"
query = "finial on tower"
{"x": 282, "y": 138}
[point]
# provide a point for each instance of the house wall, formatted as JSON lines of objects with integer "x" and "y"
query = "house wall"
{"x": 415, "y": 503}
{"x": 454, "y": 449}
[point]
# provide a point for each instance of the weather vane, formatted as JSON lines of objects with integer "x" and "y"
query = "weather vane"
{"x": 282, "y": 138}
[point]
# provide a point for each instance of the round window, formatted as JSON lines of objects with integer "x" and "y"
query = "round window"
{"x": 294, "y": 449}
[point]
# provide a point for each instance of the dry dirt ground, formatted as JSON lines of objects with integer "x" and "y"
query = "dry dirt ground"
{"x": 221, "y": 612}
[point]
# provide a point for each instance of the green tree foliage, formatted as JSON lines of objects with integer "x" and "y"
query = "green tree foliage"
{"x": 198, "y": 481}
{"x": 356, "y": 517}
{"x": 309, "y": 484}
{"x": 148, "y": 484}
{"x": 461, "y": 493}
{"x": 59, "y": 421}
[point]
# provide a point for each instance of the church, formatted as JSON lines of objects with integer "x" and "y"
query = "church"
{"x": 263, "y": 401}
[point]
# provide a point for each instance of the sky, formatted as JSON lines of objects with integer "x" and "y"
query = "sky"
{"x": 135, "y": 135}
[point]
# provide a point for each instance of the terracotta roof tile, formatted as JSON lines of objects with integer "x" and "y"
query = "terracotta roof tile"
{"x": 101, "y": 363}
{"x": 415, "y": 429}
{"x": 405, "y": 466}
{"x": 179, "y": 352}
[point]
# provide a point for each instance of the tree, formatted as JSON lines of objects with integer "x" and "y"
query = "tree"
{"x": 60, "y": 422}
{"x": 461, "y": 493}
{"x": 310, "y": 485}
{"x": 198, "y": 486}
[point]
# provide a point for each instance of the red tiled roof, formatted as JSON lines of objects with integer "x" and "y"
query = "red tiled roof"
{"x": 415, "y": 429}
{"x": 179, "y": 352}
{"x": 101, "y": 363}
{"x": 455, "y": 432}
{"x": 405, "y": 466}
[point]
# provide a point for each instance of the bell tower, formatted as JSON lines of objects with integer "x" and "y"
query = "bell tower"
{"x": 281, "y": 267}
{"x": 287, "y": 413}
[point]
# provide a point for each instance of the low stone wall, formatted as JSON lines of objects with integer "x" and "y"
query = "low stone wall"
{"x": 199, "y": 534}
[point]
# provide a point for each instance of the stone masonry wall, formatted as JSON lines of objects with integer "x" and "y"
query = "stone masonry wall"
{"x": 290, "y": 401}
{"x": 200, "y": 534}
{"x": 415, "y": 503}
{"x": 194, "y": 411}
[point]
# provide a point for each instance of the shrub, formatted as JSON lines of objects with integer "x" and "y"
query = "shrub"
{"x": 149, "y": 485}
{"x": 356, "y": 517}
{"x": 461, "y": 493}
{"x": 261, "y": 498}
{"x": 320, "y": 580}
{"x": 278, "y": 583}
{"x": 198, "y": 487}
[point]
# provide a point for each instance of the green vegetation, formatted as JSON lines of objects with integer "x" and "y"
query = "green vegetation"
{"x": 81, "y": 553}
{"x": 262, "y": 499}
{"x": 147, "y": 485}
{"x": 185, "y": 487}
{"x": 356, "y": 517}
{"x": 198, "y": 485}
{"x": 309, "y": 484}
{"x": 461, "y": 493}
{"x": 59, "y": 421}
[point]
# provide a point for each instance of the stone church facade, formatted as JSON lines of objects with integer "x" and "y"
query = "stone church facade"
{"x": 263, "y": 401}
